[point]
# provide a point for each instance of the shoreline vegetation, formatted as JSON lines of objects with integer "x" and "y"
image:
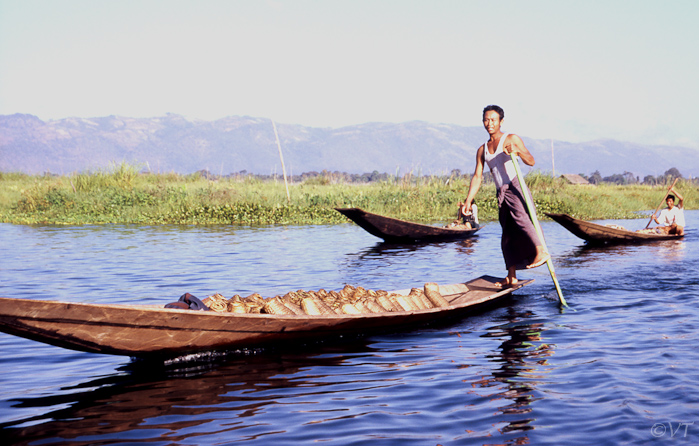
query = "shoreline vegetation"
{"x": 124, "y": 195}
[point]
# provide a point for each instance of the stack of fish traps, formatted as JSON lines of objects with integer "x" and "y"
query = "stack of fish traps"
{"x": 349, "y": 300}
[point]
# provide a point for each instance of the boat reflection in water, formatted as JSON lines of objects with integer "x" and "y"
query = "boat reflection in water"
{"x": 173, "y": 398}
{"x": 394, "y": 248}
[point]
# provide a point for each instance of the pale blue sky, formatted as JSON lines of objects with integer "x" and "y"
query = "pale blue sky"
{"x": 568, "y": 70}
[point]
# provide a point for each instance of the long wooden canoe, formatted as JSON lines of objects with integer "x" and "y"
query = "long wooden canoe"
{"x": 599, "y": 234}
{"x": 395, "y": 230}
{"x": 155, "y": 331}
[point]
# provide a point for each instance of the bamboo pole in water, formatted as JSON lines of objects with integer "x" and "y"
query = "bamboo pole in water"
{"x": 281, "y": 157}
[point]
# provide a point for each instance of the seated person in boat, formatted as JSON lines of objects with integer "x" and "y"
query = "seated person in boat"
{"x": 521, "y": 246}
{"x": 671, "y": 219}
{"x": 469, "y": 220}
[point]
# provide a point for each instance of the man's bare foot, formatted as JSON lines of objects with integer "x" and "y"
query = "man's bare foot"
{"x": 540, "y": 259}
{"x": 506, "y": 282}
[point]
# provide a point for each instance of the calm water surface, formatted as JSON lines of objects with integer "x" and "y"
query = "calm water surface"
{"x": 617, "y": 367}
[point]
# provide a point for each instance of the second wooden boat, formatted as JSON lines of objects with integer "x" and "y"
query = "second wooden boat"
{"x": 152, "y": 331}
{"x": 395, "y": 230}
{"x": 599, "y": 234}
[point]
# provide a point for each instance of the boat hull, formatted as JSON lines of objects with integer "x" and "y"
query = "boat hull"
{"x": 395, "y": 230}
{"x": 155, "y": 331}
{"x": 599, "y": 234}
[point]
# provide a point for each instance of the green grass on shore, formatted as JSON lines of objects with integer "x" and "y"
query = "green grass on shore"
{"x": 125, "y": 196}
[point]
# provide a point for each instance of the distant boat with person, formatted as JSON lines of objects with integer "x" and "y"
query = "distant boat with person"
{"x": 395, "y": 230}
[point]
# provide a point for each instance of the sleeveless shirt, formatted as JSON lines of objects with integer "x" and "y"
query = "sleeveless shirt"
{"x": 500, "y": 164}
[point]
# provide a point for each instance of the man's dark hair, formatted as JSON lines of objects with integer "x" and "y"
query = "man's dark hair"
{"x": 670, "y": 196}
{"x": 497, "y": 109}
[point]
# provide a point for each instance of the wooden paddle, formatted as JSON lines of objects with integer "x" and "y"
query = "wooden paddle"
{"x": 662, "y": 202}
{"x": 537, "y": 226}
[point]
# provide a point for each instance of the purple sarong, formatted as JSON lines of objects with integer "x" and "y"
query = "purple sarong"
{"x": 519, "y": 237}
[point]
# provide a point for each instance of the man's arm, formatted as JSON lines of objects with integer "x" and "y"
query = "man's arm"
{"x": 662, "y": 218}
{"x": 475, "y": 181}
{"x": 514, "y": 144}
{"x": 680, "y": 204}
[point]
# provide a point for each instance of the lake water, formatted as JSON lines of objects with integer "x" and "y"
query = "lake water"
{"x": 618, "y": 367}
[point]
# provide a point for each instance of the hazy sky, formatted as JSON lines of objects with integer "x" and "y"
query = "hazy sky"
{"x": 571, "y": 70}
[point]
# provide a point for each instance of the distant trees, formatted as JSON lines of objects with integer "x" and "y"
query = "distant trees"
{"x": 629, "y": 178}
{"x": 673, "y": 173}
{"x": 595, "y": 178}
{"x": 624, "y": 178}
{"x": 667, "y": 177}
{"x": 327, "y": 177}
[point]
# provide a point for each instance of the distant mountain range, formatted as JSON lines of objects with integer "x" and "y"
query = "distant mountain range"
{"x": 230, "y": 145}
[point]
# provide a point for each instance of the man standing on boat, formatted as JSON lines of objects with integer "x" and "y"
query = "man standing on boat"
{"x": 671, "y": 219}
{"x": 521, "y": 246}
